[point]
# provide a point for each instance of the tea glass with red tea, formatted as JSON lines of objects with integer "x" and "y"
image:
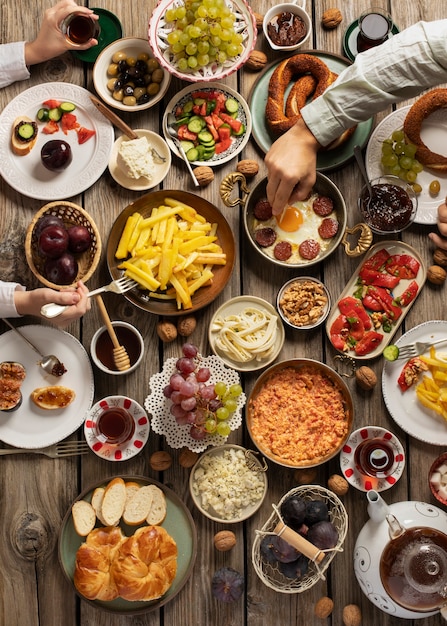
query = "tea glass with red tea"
{"x": 374, "y": 28}
{"x": 376, "y": 457}
{"x": 114, "y": 425}
{"x": 79, "y": 28}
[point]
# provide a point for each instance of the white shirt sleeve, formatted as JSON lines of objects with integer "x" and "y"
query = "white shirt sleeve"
{"x": 12, "y": 63}
{"x": 7, "y": 306}
{"x": 399, "y": 69}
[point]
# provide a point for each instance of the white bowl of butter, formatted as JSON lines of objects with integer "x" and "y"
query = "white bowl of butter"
{"x": 142, "y": 163}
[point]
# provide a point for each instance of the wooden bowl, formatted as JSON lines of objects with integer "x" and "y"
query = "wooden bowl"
{"x": 203, "y": 296}
{"x": 283, "y": 433}
{"x": 72, "y": 215}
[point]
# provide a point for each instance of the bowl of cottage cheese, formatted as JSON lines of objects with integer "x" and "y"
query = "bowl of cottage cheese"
{"x": 141, "y": 163}
{"x": 228, "y": 483}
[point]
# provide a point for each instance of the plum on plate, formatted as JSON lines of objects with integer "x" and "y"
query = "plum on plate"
{"x": 56, "y": 155}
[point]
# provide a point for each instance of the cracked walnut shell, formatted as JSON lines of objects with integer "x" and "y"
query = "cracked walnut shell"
{"x": 331, "y": 18}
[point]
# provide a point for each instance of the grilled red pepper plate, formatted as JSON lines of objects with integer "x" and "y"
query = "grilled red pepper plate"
{"x": 376, "y": 300}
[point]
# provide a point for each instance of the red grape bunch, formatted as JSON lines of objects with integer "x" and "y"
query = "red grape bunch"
{"x": 195, "y": 400}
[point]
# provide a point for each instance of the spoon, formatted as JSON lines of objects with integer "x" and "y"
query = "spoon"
{"x": 362, "y": 168}
{"x": 120, "y": 355}
{"x": 49, "y": 363}
{"x": 170, "y": 127}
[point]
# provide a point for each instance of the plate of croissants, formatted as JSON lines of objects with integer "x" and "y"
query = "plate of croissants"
{"x": 119, "y": 528}
{"x": 284, "y": 87}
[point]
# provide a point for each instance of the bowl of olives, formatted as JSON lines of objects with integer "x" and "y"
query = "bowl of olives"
{"x": 298, "y": 542}
{"x": 127, "y": 76}
{"x": 62, "y": 245}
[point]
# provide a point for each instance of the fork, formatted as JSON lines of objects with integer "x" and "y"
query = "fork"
{"x": 417, "y": 348}
{"x": 120, "y": 285}
{"x": 56, "y": 451}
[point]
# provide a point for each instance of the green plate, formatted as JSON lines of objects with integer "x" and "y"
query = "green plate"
{"x": 350, "y": 39}
{"x": 326, "y": 161}
{"x": 178, "y": 523}
{"x": 111, "y": 30}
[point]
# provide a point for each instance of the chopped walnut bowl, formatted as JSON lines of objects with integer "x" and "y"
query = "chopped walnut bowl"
{"x": 303, "y": 303}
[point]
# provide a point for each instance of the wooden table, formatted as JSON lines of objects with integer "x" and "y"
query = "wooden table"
{"x": 36, "y": 492}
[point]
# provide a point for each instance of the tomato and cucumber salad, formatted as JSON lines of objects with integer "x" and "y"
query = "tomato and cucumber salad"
{"x": 57, "y": 115}
{"x": 371, "y": 310}
{"x": 207, "y": 123}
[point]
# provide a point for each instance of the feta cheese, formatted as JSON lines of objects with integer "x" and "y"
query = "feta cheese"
{"x": 226, "y": 484}
{"x": 135, "y": 158}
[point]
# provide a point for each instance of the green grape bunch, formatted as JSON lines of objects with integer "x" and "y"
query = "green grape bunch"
{"x": 204, "y": 32}
{"x": 399, "y": 159}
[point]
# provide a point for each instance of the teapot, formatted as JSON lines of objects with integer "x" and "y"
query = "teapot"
{"x": 400, "y": 558}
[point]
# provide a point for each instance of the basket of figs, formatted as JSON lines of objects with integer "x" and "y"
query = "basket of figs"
{"x": 297, "y": 543}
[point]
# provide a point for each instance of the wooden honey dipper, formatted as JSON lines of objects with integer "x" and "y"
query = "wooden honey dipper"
{"x": 120, "y": 355}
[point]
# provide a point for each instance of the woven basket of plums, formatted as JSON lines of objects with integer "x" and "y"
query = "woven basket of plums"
{"x": 297, "y": 543}
{"x": 62, "y": 245}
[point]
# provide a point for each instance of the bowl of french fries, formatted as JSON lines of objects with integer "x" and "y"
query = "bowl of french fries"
{"x": 177, "y": 246}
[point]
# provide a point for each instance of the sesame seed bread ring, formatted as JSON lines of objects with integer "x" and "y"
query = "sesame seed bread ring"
{"x": 297, "y": 65}
{"x": 421, "y": 109}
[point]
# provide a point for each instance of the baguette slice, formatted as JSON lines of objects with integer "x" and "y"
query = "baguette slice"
{"x": 52, "y": 397}
{"x": 97, "y": 498}
{"x": 84, "y": 517}
{"x": 21, "y": 146}
{"x": 157, "y": 511}
{"x": 113, "y": 501}
{"x": 131, "y": 489}
{"x": 138, "y": 506}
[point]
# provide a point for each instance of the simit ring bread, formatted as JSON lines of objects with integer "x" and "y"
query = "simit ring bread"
{"x": 421, "y": 109}
{"x": 146, "y": 564}
{"x": 312, "y": 78}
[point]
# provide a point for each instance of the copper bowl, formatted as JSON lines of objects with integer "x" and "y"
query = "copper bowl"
{"x": 300, "y": 460}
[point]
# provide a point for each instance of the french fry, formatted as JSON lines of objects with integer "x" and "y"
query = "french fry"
{"x": 432, "y": 391}
{"x": 171, "y": 253}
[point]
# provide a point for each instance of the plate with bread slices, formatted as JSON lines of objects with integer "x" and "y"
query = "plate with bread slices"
{"x": 54, "y": 142}
{"x": 140, "y": 525}
{"x": 47, "y": 408}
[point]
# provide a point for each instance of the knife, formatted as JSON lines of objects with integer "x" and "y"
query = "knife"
{"x": 118, "y": 122}
{"x": 114, "y": 118}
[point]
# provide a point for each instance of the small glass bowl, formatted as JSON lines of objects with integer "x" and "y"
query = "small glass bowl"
{"x": 101, "y": 347}
{"x": 438, "y": 464}
{"x": 305, "y": 316}
{"x": 384, "y": 214}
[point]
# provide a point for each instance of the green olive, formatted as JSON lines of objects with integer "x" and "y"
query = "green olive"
{"x": 111, "y": 84}
{"x": 157, "y": 75}
{"x": 112, "y": 70}
{"x": 129, "y": 101}
{"x": 119, "y": 56}
{"x": 131, "y": 61}
{"x": 153, "y": 89}
{"x": 152, "y": 65}
{"x": 434, "y": 187}
{"x": 143, "y": 56}
{"x": 138, "y": 92}
{"x": 118, "y": 95}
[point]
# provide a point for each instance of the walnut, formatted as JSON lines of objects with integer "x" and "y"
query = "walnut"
{"x": 305, "y": 476}
{"x": 256, "y": 61}
{"x": 259, "y": 21}
{"x": 331, "y": 18}
{"x": 186, "y": 325}
{"x": 440, "y": 257}
{"x": 204, "y": 175}
{"x": 224, "y": 540}
{"x": 167, "y": 331}
{"x": 248, "y": 167}
{"x": 187, "y": 458}
{"x": 366, "y": 378}
{"x": 324, "y": 607}
{"x": 160, "y": 461}
{"x": 338, "y": 484}
{"x": 436, "y": 275}
{"x": 352, "y": 616}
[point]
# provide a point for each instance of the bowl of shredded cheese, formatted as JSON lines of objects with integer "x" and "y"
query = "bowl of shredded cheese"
{"x": 246, "y": 333}
{"x": 228, "y": 483}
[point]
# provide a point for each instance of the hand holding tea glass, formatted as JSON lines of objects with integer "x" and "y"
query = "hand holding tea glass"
{"x": 51, "y": 40}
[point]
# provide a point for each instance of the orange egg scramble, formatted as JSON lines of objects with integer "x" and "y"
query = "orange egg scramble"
{"x": 299, "y": 416}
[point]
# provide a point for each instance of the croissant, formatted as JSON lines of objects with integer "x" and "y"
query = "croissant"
{"x": 146, "y": 564}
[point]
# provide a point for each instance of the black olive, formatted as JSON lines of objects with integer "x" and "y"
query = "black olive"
{"x": 123, "y": 65}
{"x": 144, "y": 98}
{"x": 128, "y": 90}
{"x": 141, "y": 66}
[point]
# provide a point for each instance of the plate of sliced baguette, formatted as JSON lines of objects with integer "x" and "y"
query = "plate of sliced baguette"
{"x": 120, "y": 527}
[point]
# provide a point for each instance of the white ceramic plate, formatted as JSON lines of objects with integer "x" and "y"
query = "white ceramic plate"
{"x": 234, "y": 307}
{"x": 393, "y": 247}
{"x": 406, "y": 411}
{"x": 352, "y": 474}
{"x": 26, "y": 174}
{"x": 243, "y": 115}
{"x": 160, "y": 169}
{"x": 434, "y": 135}
{"x": 128, "y": 449}
{"x": 32, "y": 427}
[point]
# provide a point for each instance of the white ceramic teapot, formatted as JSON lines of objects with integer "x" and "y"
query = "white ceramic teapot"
{"x": 400, "y": 558}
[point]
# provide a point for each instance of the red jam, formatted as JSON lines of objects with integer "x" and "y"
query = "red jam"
{"x": 390, "y": 208}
